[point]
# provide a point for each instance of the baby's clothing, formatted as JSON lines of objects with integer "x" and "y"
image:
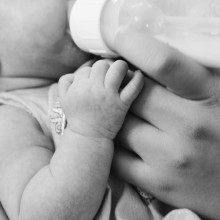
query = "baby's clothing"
{"x": 121, "y": 201}
{"x": 33, "y": 101}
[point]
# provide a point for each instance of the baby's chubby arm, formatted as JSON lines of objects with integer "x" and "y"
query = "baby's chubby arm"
{"x": 24, "y": 151}
{"x": 95, "y": 106}
{"x": 69, "y": 184}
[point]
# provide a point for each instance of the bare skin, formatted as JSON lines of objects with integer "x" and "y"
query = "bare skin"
{"x": 57, "y": 185}
{"x": 35, "y": 44}
{"x": 35, "y": 40}
{"x": 176, "y": 136}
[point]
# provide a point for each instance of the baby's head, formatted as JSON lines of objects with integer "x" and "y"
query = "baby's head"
{"x": 34, "y": 39}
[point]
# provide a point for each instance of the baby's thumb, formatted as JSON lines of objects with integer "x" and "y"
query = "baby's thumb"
{"x": 181, "y": 214}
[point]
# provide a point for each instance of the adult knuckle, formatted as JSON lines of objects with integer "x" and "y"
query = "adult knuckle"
{"x": 197, "y": 136}
{"x": 198, "y": 130}
{"x": 182, "y": 157}
{"x": 182, "y": 162}
{"x": 200, "y": 133}
{"x": 164, "y": 187}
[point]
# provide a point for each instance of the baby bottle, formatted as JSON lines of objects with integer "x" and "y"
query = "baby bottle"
{"x": 191, "y": 26}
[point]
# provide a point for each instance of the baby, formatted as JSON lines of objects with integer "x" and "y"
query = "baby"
{"x": 56, "y": 165}
{"x": 70, "y": 183}
{"x": 47, "y": 170}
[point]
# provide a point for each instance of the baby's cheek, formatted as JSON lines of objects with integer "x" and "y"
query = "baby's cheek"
{"x": 40, "y": 23}
{"x": 48, "y": 23}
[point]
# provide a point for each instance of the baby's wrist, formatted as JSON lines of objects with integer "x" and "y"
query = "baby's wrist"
{"x": 87, "y": 134}
{"x": 90, "y": 130}
{"x": 99, "y": 145}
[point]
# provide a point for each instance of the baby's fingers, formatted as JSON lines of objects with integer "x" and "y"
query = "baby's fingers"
{"x": 64, "y": 84}
{"x": 130, "y": 92}
{"x": 99, "y": 70}
{"x": 115, "y": 75}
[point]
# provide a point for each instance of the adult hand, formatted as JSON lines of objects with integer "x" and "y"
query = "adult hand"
{"x": 171, "y": 142}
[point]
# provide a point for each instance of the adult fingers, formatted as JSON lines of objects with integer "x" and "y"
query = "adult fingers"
{"x": 144, "y": 140}
{"x": 159, "y": 106}
{"x": 163, "y": 63}
{"x": 133, "y": 170}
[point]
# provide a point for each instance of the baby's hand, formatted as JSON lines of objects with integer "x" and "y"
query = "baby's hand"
{"x": 94, "y": 101}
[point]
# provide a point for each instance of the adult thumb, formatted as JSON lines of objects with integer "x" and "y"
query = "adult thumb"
{"x": 164, "y": 64}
